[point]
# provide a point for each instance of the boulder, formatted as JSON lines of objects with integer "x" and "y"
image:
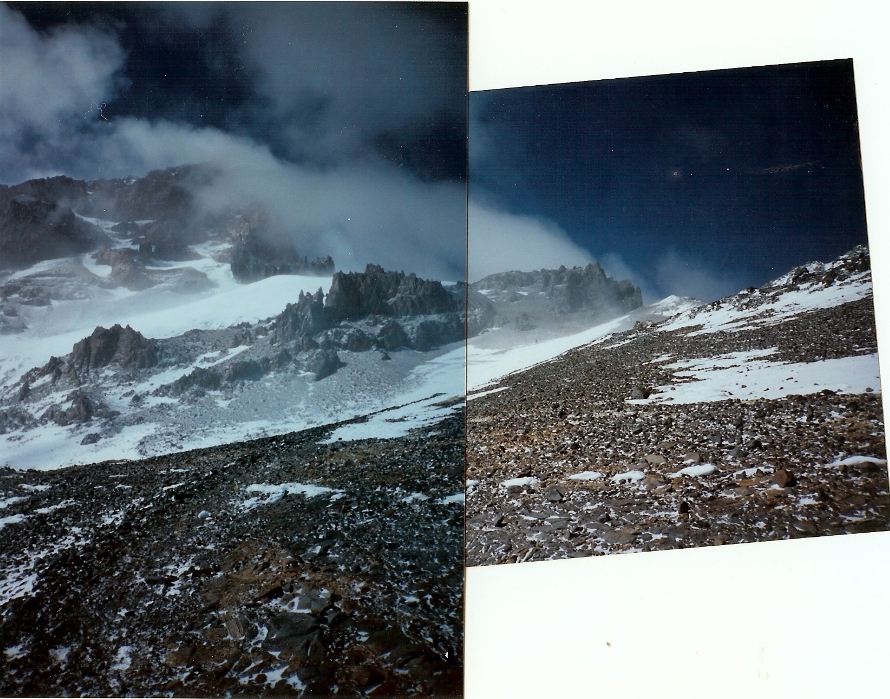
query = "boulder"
{"x": 123, "y": 346}
{"x": 321, "y": 362}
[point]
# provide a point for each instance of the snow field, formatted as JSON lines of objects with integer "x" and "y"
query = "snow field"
{"x": 748, "y": 376}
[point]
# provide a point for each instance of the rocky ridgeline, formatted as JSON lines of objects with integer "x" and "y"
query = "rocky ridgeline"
{"x": 159, "y": 213}
{"x": 371, "y": 311}
{"x": 574, "y": 289}
{"x": 527, "y": 299}
{"x": 850, "y": 268}
{"x": 567, "y": 461}
{"x": 32, "y": 230}
{"x": 211, "y": 573}
{"x": 375, "y": 309}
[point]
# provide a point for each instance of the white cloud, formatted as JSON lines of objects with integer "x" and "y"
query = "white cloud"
{"x": 501, "y": 242}
{"x": 50, "y": 89}
{"x": 50, "y": 81}
{"x": 357, "y": 213}
{"x": 684, "y": 275}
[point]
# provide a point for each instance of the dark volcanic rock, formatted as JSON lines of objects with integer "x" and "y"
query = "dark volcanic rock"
{"x": 32, "y": 230}
{"x": 481, "y": 313}
{"x": 255, "y": 256}
{"x": 576, "y": 289}
{"x": 351, "y": 339}
{"x": 168, "y": 576}
{"x": 123, "y": 346}
{"x": 245, "y": 370}
{"x": 354, "y": 295}
{"x": 302, "y": 319}
{"x": 391, "y": 336}
{"x": 321, "y": 362}
{"x": 435, "y": 331}
{"x": 126, "y": 268}
{"x": 81, "y": 409}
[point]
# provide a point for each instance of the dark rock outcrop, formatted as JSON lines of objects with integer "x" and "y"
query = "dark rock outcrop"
{"x": 256, "y": 255}
{"x": 81, "y": 409}
{"x": 126, "y": 269}
{"x": 351, "y": 339}
{"x": 201, "y": 378}
{"x": 391, "y": 336}
{"x": 321, "y": 362}
{"x": 481, "y": 313}
{"x": 124, "y": 346}
{"x": 434, "y": 331}
{"x": 306, "y": 317}
{"x": 571, "y": 290}
{"x": 246, "y": 370}
{"x": 377, "y": 292}
{"x": 32, "y": 230}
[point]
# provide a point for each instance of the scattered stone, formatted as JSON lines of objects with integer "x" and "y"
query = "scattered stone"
{"x": 783, "y": 478}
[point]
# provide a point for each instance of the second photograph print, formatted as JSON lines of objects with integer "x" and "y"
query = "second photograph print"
{"x": 679, "y": 343}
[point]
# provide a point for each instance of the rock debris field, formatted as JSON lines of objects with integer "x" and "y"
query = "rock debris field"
{"x": 295, "y": 565}
{"x": 765, "y": 425}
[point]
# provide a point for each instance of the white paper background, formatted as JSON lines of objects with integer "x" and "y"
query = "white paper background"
{"x": 780, "y": 619}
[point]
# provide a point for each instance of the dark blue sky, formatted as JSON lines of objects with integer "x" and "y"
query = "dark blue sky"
{"x": 345, "y": 121}
{"x": 320, "y": 83}
{"x": 700, "y": 183}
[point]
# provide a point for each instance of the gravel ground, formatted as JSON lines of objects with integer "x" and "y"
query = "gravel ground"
{"x": 279, "y": 566}
{"x": 654, "y": 475}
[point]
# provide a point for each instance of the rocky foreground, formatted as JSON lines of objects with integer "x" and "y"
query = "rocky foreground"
{"x": 280, "y": 566}
{"x": 590, "y": 454}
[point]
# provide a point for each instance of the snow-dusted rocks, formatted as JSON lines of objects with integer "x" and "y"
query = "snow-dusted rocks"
{"x": 282, "y": 565}
{"x": 752, "y": 403}
{"x": 120, "y": 393}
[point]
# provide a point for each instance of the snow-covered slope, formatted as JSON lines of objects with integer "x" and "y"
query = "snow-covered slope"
{"x": 490, "y": 358}
{"x": 723, "y": 423}
{"x": 222, "y": 370}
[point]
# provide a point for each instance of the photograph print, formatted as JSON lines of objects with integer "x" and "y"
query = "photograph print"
{"x": 232, "y": 312}
{"x": 679, "y": 344}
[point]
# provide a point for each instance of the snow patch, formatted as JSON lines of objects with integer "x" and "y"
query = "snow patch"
{"x": 416, "y": 497}
{"x": 456, "y": 499}
{"x": 694, "y": 471}
{"x": 855, "y": 460}
{"x": 746, "y": 376}
{"x": 275, "y": 493}
{"x": 586, "y": 476}
{"x": 527, "y": 480}
{"x": 628, "y": 476}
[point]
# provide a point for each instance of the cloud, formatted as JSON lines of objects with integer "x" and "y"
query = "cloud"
{"x": 500, "y": 242}
{"x": 53, "y": 77}
{"x": 357, "y": 208}
{"x": 49, "y": 83}
{"x": 336, "y": 77}
{"x": 358, "y": 212}
{"x": 685, "y": 275}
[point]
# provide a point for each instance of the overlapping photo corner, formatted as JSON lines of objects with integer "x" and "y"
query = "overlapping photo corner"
{"x": 712, "y": 378}
{"x": 232, "y": 312}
